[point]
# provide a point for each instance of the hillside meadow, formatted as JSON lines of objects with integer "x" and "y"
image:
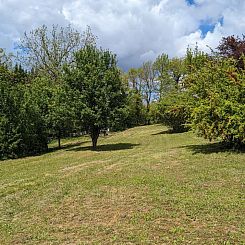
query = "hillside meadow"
{"x": 141, "y": 186}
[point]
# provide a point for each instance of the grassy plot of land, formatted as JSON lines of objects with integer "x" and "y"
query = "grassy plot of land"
{"x": 141, "y": 186}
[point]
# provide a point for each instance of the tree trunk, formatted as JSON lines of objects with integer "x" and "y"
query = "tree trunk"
{"x": 148, "y": 113}
{"x": 95, "y": 132}
{"x": 59, "y": 139}
{"x": 59, "y": 143}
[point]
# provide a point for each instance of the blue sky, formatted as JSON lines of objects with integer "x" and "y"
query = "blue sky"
{"x": 136, "y": 30}
{"x": 191, "y": 2}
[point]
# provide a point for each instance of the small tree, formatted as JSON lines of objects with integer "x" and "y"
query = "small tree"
{"x": 98, "y": 79}
{"x": 57, "y": 104}
{"x": 174, "y": 110}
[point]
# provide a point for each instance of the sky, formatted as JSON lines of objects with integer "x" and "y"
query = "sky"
{"x": 136, "y": 30}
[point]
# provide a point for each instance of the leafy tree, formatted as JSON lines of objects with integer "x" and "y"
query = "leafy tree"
{"x": 194, "y": 60}
{"x": 22, "y": 129}
{"x": 135, "y": 83}
{"x": 161, "y": 65}
{"x": 233, "y": 47}
{"x": 20, "y": 75}
{"x": 147, "y": 75}
{"x": 136, "y": 111}
{"x": 174, "y": 110}
{"x": 219, "y": 91}
{"x": 96, "y": 76}
{"x": 58, "y": 106}
{"x": 47, "y": 50}
{"x": 176, "y": 70}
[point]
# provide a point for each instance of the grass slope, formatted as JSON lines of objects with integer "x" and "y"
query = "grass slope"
{"x": 142, "y": 186}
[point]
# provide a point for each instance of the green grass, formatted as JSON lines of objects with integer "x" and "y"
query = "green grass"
{"x": 142, "y": 186}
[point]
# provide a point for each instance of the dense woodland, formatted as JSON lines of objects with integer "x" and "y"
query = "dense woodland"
{"x": 61, "y": 84}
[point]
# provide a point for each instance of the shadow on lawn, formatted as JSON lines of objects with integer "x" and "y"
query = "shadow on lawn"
{"x": 67, "y": 146}
{"x": 212, "y": 148}
{"x": 169, "y": 131}
{"x": 109, "y": 147}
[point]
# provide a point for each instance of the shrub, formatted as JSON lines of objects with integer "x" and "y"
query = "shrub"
{"x": 219, "y": 88}
{"x": 174, "y": 111}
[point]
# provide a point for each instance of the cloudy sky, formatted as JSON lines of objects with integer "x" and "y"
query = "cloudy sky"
{"x": 137, "y": 30}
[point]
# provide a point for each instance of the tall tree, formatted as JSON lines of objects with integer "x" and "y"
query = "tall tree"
{"x": 133, "y": 79}
{"x": 161, "y": 66}
{"x": 96, "y": 75}
{"x": 149, "y": 83}
{"x": 48, "y": 50}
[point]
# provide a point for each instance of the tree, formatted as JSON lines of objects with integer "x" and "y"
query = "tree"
{"x": 219, "y": 90}
{"x": 174, "y": 110}
{"x": 134, "y": 80}
{"x": 47, "y": 50}
{"x": 22, "y": 128}
{"x": 176, "y": 70}
{"x": 233, "y": 47}
{"x": 194, "y": 60}
{"x": 96, "y": 76}
{"x": 166, "y": 83}
{"x": 147, "y": 76}
{"x": 5, "y": 59}
{"x": 136, "y": 111}
{"x": 58, "y": 106}
{"x": 20, "y": 75}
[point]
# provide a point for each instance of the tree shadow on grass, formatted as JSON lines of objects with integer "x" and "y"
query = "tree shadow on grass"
{"x": 49, "y": 150}
{"x": 67, "y": 146}
{"x": 212, "y": 148}
{"x": 168, "y": 131}
{"x": 108, "y": 147}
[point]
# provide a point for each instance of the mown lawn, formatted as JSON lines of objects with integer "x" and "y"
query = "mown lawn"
{"x": 142, "y": 186}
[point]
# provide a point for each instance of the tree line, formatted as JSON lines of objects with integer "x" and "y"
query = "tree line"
{"x": 61, "y": 83}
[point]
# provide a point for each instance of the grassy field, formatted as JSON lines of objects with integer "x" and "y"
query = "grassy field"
{"x": 142, "y": 186}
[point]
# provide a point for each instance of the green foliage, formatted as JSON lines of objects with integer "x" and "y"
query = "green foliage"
{"x": 58, "y": 106}
{"x": 219, "y": 89}
{"x": 47, "y": 50}
{"x": 136, "y": 111}
{"x": 30, "y": 113}
{"x": 97, "y": 77}
{"x": 22, "y": 129}
{"x": 166, "y": 83}
{"x": 154, "y": 113}
{"x": 174, "y": 111}
{"x": 194, "y": 60}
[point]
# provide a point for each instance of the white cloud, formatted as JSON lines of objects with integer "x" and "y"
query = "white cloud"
{"x": 134, "y": 29}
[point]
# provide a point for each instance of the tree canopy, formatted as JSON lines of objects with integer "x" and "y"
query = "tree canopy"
{"x": 96, "y": 76}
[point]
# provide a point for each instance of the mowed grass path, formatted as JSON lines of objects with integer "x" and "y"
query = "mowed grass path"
{"x": 142, "y": 186}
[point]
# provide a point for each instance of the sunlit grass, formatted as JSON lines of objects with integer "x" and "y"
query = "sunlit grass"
{"x": 141, "y": 186}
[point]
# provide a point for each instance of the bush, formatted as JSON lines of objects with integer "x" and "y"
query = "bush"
{"x": 174, "y": 111}
{"x": 219, "y": 88}
{"x": 22, "y": 129}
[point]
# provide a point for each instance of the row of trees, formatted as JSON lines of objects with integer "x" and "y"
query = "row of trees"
{"x": 70, "y": 86}
{"x": 62, "y": 83}
{"x": 199, "y": 91}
